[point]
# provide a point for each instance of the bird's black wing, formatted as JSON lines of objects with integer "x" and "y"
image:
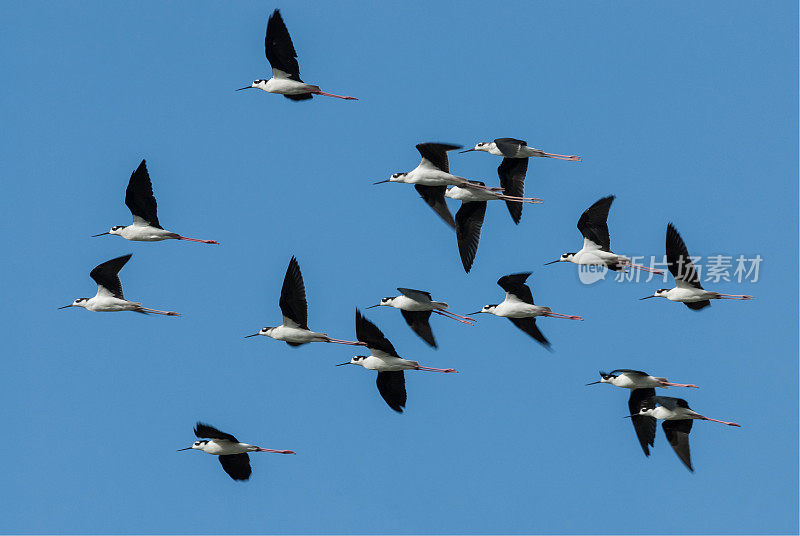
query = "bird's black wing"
{"x": 419, "y": 321}
{"x": 293, "y": 302}
{"x": 106, "y": 275}
{"x": 368, "y": 333}
{"x": 469, "y": 220}
{"x": 392, "y": 387}
{"x": 528, "y": 325}
{"x": 203, "y": 430}
{"x": 436, "y": 154}
{"x": 593, "y": 223}
{"x": 644, "y": 425}
{"x": 414, "y": 294}
{"x": 236, "y": 465}
{"x": 434, "y": 196}
{"x": 512, "y": 178}
{"x": 279, "y": 48}
{"x": 299, "y": 97}
{"x": 696, "y": 306}
{"x": 139, "y": 196}
{"x": 631, "y": 371}
{"x": 677, "y": 433}
{"x": 515, "y": 284}
{"x": 510, "y": 146}
{"x": 678, "y": 260}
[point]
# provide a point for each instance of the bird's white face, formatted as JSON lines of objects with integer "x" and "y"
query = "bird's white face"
{"x": 387, "y": 301}
{"x": 116, "y": 229}
{"x": 397, "y": 177}
{"x": 199, "y": 445}
{"x": 80, "y": 302}
{"x": 259, "y": 84}
{"x": 661, "y": 293}
{"x": 646, "y": 411}
{"x": 482, "y": 146}
{"x": 566, "y": 257}
{"x": 358, "y": 360}
{"x": 486, "y": 309}
{"x": 265, "y": 331}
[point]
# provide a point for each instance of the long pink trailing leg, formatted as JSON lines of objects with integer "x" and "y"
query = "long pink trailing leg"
{"x": 570, "y": 157}
{"x": 644, "y": 268}
{"x": 276, "y": 451}
{"x": 457, "y": 318}
{"x": 505, "y": 197}
{"x": 345, "y": 97}
{"x": 436, "y": 369}
{"x": 179, "y": 237}
{"x": 736, "y": 297}
{"x": 559, "y": 315}
{"x": 157, "y": 312}
{"x": 721, "y": 422}
{"x": 665, "y": 383}
{"x": 349, "y": 343}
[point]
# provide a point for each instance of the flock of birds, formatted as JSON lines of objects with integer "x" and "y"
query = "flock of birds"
{"x": 434, "y": 183}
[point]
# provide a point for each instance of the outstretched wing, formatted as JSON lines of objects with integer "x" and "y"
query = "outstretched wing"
{"x": 106, "y": 275}
{"x": 696, "y": 306}
{"x": 644, "y": 425}
{"x": 434, "y": 196}
{"x": 436, "y": 155}
{"x": 392, "y": 387}
{"x": 416, "y": 295}
{"x": 512, "y": 178}
{"x": 280, "y": 50}
{"x": 528, "y": 325}
{"x": 139, "y": 197}
{"x": 203, "y": 430}
{"x": 469, "y": 220}
{"x": 293, "y": 302}
{"x": 514, "y": 285}
{"x": 593, "y": 223}
{"x": 419, "y": 321}
{"x": 368, "y": 333}
{"x": 679, "y": 262}
{"x": 509, "y": 146}
{"x": 236, "y": 465}
{"x": 677, "y": 433}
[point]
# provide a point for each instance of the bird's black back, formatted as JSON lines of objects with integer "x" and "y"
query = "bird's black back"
{"x": 203, "y": 430}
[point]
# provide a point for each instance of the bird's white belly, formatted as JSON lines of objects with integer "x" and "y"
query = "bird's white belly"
{"x": 285, "y": 86}
{"x": 296, "y": 335}
{"x": 388, "y": 365}
{"x": 145, "y": 234}
{"x": 470, "y": 194}
{"x": 519, "y": 310}
{"x": 105, "y": 304}
{"x": 595, "y": 257}
{"x": 224, "y": 448}
{"x": 432, "y": 177}
{"x": 407, "y": 304}
{"x": 688, "y": 294}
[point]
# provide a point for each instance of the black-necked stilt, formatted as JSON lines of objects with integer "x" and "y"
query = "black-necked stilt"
{"x": 416, "y": 307}
{"x": 513, "y": 168}
{"x": 642, "y": 386}
{"x": 383, "y": 358}
{"x": 142, "y": 203}
{"x": 109, "y": 296}
{"x": 688, "y": 289}
{"x": 432, "y": 176}
{"x": 232, "y": 454}
{"x": 596, "y": 248}
{"x": 677, "y": 417}
{"x": 285, "y": 70}
{"x": 519, "y": 308}
{"x": 294, "y": 307}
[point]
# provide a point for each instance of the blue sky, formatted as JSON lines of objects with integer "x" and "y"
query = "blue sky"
{"x": 687, "y": 112}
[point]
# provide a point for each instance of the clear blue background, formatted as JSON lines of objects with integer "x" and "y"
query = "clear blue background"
{"x": 686, "y": 111}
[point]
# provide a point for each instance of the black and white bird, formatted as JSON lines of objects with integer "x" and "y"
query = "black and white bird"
{"x": 416, "y": 306}
{"x": 232, "y": 454}
{"x": 383, "y": 358}
{"x": 432, "y": 177}
{"x": 519, "y": 308}
{"x": 596, "y": 248}
{"x": 642, "y": 387}
{"x": 109, "y": 297}
{"x": 513, "y": 168}
{"x": 285, "y": 70}
{"x": 142, "y": 203}
{"x": 677, "y": 417}
{"x": 294, "y": 307}
{"x": 688, "y": 289}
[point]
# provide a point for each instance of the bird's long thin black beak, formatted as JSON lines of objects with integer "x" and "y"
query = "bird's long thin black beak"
{"x": 629, "y": 416}
{"x": 373, "y": 306}
{"x": 598, "y": 381}
{"x": 475, "y": 313}
{"x": 246, "y": 87}
{"x": 467, "y": 151}
{"x": 551, "y": 262}
{"x": 340, "y": 364}
{"x": 187, "y": 448}
{"x": 253, "y": 335}
{"x": 381, "y": 182}
{"x": 70, "y": 305}
{"x": 101, "y": 234}
{"x": 646, "y": 297}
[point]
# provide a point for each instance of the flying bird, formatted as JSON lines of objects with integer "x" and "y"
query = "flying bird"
{"x": 142, "y": 203}
{"x": 416, "y": 306}
{"x": 285, "y": 70}
{"x": 642, "y": 386}
{"x": 514, "y": 166}
{"x": 519, "y": 308}
{"x": 294, "y": 307}
{"x": 432, "y": 176}
{"x": 688, "y": 289}
{"x": 109, "y": 297}
{"x": 383, "y": 358}
{"x": 596, "y": 248}
{"x": 232, "y": 454}
{"x": 677, "y": 417}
